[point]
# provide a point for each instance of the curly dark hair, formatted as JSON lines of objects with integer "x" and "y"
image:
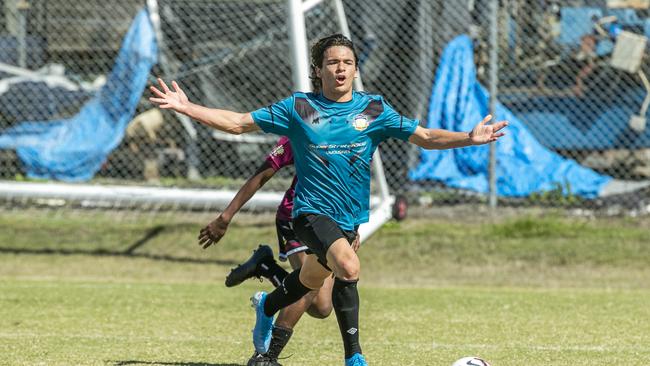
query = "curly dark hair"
{"x": 318, "y": 53}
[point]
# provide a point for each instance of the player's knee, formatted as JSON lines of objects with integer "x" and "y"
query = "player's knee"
{"x": 296, "y": 260}
{"x": 349, "y": 270}
{"x": 319, "y": 311}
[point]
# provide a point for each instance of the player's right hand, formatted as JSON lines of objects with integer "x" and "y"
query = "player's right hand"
{"x": 356, "y": 243}
{"x": 168, "y": 99}
{"x": 213, "y": 232}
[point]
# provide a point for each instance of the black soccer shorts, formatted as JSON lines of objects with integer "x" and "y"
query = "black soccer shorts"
{"x": 318, "y": 233}
{"x": 288, "y": 244}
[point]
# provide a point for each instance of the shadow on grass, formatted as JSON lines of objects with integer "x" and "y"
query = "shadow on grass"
{"x": 108, "y": 253}
{"x": 128, "y": 253}
{"x": 136, "y": 362}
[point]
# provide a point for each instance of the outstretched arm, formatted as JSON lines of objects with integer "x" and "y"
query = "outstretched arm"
{"x": 443, "y": 139}
{"x": 216, "y": 229}
{"x": 220, "y": 119}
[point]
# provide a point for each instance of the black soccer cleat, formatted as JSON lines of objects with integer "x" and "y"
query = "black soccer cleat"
{"x": 254, "y": 358}
{"x": 250, "y": 268}
{"x": 259, "y": 359}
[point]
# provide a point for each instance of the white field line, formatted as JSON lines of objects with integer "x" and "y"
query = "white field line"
{"x": 121, "y": 338}
{"x": 413, "y": 345}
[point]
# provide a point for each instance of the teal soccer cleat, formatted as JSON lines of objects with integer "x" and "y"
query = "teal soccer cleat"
{"x": 357, "y": 359}
{"x": 263, "y": 323}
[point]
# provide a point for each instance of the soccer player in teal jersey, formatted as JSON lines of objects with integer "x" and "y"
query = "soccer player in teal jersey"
{"x": 333, "y": 133}
{"x": 261, "y": 264}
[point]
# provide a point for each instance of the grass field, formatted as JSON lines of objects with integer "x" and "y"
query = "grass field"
{"x": 82, "y": 289}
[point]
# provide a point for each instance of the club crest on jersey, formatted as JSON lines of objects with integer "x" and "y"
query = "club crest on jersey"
{"x": 360, "y": 122}
{"x": 279, "y": 150}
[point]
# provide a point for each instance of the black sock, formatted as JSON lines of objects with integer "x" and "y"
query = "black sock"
{"x": 271, "y": 270}
{"x": 279, "y": 338}
{"x": 290, "y": 291}
{"x": 345, "y": 299}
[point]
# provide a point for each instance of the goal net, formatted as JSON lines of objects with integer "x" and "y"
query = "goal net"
{"x": 243, "y": 55}
{"x": 236, "y": 55}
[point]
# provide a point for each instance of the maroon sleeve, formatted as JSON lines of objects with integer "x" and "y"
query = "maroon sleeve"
{"x": 281, "y": 155}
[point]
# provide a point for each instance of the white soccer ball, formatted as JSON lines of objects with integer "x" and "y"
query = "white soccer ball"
{"x": 471, "y": 361}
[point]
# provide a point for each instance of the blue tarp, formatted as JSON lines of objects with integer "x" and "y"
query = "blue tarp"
{"x": 36, "y": 101}
{"x": 524, "y": 166}
{"x": 74, "y": 149}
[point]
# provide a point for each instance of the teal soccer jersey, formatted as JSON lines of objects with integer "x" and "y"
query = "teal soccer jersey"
{"x": 332, "y": 145}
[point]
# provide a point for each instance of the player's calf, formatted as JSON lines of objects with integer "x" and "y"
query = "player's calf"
{"x": 321, "y": 301}
{"x": 319, "y": 306}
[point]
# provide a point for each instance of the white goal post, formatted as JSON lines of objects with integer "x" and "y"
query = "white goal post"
{"x": 382, "y": 211}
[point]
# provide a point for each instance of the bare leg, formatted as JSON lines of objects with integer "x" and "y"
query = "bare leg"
{"x": 321, "y": 305}
{"x": 311, "y": 302}
{"x": 342, "y": 259}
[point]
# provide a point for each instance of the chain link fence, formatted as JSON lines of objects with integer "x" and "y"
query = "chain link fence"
{"x": 570, "y": 73}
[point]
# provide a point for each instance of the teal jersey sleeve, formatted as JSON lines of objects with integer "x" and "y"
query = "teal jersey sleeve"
{"x": 275, "y": 118}
{"x": 396, "y": 125}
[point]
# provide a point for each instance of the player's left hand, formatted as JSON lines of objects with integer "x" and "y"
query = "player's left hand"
{"x": 213, "y": 232}
{"x": 483, "y": 133}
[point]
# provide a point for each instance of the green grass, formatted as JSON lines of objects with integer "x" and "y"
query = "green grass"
{"x": 122, "y": 289}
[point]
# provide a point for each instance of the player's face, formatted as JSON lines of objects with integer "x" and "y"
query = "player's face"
{"x": 337, "y": 73}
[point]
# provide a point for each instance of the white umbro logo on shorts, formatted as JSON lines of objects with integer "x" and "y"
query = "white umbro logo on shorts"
{"x": 352, "y": 330}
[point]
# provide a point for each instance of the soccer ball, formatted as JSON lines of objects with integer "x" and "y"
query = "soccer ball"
{"x": 470, "y": 361}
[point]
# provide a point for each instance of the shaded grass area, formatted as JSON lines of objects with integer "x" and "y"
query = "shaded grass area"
{"x": 545, "y": 250}
{"x": 110, "y": 289}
